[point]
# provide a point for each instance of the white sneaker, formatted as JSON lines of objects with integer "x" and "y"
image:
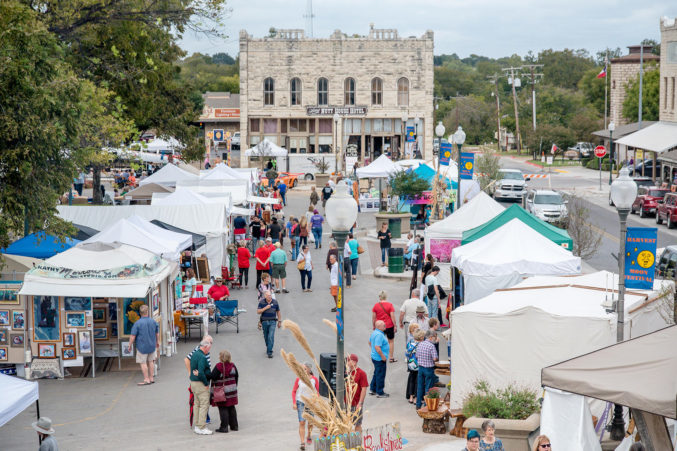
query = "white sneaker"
{"x": 197, "y": 430}
{"x": 206, "y": 431}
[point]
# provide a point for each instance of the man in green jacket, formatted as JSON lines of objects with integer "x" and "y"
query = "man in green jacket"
{"x": 200, "y": 373}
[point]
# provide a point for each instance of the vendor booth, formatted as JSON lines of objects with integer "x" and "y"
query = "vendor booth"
{"x": 382, "y": 167}
{"x": 510, "y": 335}
{"x": 14, "y": 267}
{"x": 143, "y": 194}
{"x": 502, "y": 258}
{"x": 84, "y": 302}
{"x": 237, "y": 189}
{"x": 169, "y": 175}
{"x": 223, "y": 172}
{"x": 39, "y": 245}
{"x": 17, "y": 396}
{"x": 266, "y": 148}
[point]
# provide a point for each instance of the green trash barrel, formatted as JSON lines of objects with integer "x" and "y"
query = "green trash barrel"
{"x": 395, "y": 226}
{"x": 396, "y": 260}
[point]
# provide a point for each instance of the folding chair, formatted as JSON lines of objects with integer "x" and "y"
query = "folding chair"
{"x": 227, "y": 312}
{"x": 230, "y": 279}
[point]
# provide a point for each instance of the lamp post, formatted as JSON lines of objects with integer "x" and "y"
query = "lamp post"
{"x": 404, "y": 133}
{"x": 459, "y": 139}
{"x": 623, "y": 194}
{"x": 336, "y": 146}
{"x": 341, "y": 215}
{"x": 612, "y": 127}
{"x": 439, "y": 131}
{"x": 417, "y": 122}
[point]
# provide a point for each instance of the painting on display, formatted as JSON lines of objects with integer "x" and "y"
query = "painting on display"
{"x": 85, "y": 341}
{"x": 101, "y": 333}
{"x": 4, "y": 317}
{"x": 4, "y": 336}
{"x": 99, "y": 314}
{"x": 441, "y": 249}
{"x": 75, "y": 319}
{"x": 3, "y": 355}
{"x": 8, "y": 294}
{"x": 18, "y": 320}
{"x": 127, "y": 349}
{"x": 77, "y": 304}
{"x": 68, "y": 339}
{"x": 68, "y": 353}
{"x": 155, "y": 302}
{"x": 114, "y": 330}
{"x": 131, "y": 313}
{"x": 46, "y": 325}
{"x": 47, "y": 350}
{"x": 112, "y": 311}
{"x": 16, "y": 340}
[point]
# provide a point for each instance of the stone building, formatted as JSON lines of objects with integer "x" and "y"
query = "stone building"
{"x": 221, "y": 111}
{"x": 623, "y": 70}
{"x": 668, "y": 97}
{"x": 291, "y": 88}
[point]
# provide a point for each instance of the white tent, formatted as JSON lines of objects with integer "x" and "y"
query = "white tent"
{"x": 263, "y": 200}
{"x": 17, "y": 395}
{"x": 141, "y": 233}
{"x": 223, "y": 172}
{"x": 188, "y": 167}
{"x": 501, "y": 258}
{"x": 169, "y": 175}
{"x": 182, "y": 197}
{"x": 508, "y": 336}
{"x": 379, "y": 168}
{"x": 266, "y": 149}
{"x": 158, "y": 145}
{"x": 237, "y": 189}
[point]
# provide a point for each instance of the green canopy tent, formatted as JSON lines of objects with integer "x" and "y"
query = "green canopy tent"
{"x": 549, "y": 231}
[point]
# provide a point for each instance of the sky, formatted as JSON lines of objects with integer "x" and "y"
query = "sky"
{"x": 493, "y": 28}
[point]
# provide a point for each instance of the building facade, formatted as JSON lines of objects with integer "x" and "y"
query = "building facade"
{"x": 623, "y": 70}
{"x": 316, "y": 96}
{"x": 221, "y": 112}
{"x": 668, "y": 98}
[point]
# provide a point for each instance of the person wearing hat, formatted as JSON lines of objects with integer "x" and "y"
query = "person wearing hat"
{"x": 218, "y": 291}
{"x": 358, "y": 381}
{"x": 45, "y": 430}
{"x": 422, "y": 318}
{"x": 408, "y": 311}
{"x": 472, "y": 441}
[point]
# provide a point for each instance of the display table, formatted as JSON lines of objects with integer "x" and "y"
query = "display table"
{"x": 434, "y": 422}
{"x": 198, "y": 319}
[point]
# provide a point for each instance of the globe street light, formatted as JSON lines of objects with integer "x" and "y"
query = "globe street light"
{"x": 341, "y": 214}
{"x": 417, "y": 122}
{"x": 612, "y": 127}
{"x": 623, "y": 194}
{"x": 459, "y": 139}
{"x": 436, "y": 210}
{"x": 404, "y": 132}
{"x": 336, "y": 148}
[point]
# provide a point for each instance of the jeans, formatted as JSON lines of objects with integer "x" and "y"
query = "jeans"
{"x": 384, "y": 254}
{"x": 378, "y": 380}
{"x": 426, "y": 379}
{"x": 353, "y": 266}
{"x": 269, "y": 334}
{"x": 294, "y": 247}
{"x": 317, "y": 233}
{"x": 284, "y": 197}
{"x": 306, "y": 274}
{"x": 303, "y": 240}
{"x": 244, "y": 274}
{"x": 433, "y": 306}
{"x": 346, "y": 272}
{"x": 259, "y": 272}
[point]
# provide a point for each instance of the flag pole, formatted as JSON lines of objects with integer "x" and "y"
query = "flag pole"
{"x": 606, "y": 86}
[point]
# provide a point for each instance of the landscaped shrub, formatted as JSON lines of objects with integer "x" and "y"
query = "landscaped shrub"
{"x": 510, "y": 403}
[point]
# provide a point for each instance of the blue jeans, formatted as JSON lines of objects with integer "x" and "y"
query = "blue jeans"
{"x": 426, "y": 379}
{"x": 353, "y": 265}
{"x": 433, "y": 305}
{"x": 284, "y": 197}
{"x": 269, "y": 334}
{"x": 384, "y": 254}
{"x": 309, "y": 275}
{"x": 378, "y": 380}
{"x": 317, "y": 234}
{"x": 294, "y": 247}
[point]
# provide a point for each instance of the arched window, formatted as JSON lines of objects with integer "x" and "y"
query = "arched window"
{"x": 377, "y": 91}
{"x": 349, "y": 92}
{"x": 269, "y": 91}
{"x": 322, "y": 91}
{"x": 402, "y": 92}
{"x": 295, "y": 91}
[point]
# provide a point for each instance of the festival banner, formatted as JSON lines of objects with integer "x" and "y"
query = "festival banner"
{"x": 411, "y": 132}
{"x": 467, "y": 165}
{"x": 445, "y": 153}
{"x": 640, "y": 257}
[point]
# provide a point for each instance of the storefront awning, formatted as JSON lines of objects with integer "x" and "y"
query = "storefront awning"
{"x": 659, "y": 137}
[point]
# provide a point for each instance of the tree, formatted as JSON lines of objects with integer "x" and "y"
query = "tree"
{"x": 564, "y": 68}
{"x": 222, "y": 58}
{"x": 487, "y": 167}
{"x": 650, "y": 96}
{"x": 586, "y": 239}
{"x": 406, "y": 184}
{"x": 475, "y": 115}
{"x": 593, "y": 88}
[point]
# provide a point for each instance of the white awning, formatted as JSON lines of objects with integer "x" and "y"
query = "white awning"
{"x": 263, "y": 200}
{"x": 242, "y": 211}
{"x": 659, "y": 137}
{"x": 17, "y": 395}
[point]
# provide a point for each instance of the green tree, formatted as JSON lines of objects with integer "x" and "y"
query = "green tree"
{"x": 650, "y": 96}
{"x": 222, "y": 58}
{"x": 593, "y": 88}
{"x": 475, "y": 115}
{"x": 564, "y": 68}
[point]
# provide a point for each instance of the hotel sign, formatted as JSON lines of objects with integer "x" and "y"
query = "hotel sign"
{"x": 340, "y": 110}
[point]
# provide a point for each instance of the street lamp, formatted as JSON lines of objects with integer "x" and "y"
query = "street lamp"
{"x": 341, "y": 214}
{"x": 404, "y": 132}
{"x": 612, "y": 127}
{"x": 623, "y": 194}
{"x": 336, "y": 148}
{"x": 417, "y": 121}
{"x": 459, "y": 139}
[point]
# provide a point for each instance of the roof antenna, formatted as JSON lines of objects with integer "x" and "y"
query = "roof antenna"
{"x": 309, "y": 17}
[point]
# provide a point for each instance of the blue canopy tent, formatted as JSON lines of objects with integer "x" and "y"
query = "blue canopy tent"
{"x": 39, "y": 245}
{"x": 427, "y": 173}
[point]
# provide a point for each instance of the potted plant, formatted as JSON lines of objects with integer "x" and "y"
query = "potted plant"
{"x": 322, "y": 176}
{"x": 406, "y": 186}
{"x": 432, "y": 399}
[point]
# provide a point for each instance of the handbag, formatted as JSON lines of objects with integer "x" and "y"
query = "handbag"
{"x": 443, "y": 294}
{"x": 360, "y": 250}
{"x": 301, "y": 265}
{"x": 218, "y": 392}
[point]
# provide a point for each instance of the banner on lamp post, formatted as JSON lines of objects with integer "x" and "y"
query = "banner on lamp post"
{"x": 411, "y": 132}
{"x": 467, "y": 165}
{"x": 445, "y": 153}
{"x": 640, "y": 257}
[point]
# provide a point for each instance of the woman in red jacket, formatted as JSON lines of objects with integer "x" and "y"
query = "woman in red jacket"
{"x": 299, "y": 391}
{"x": 243, "y": 257}
{"x": 224, "y": 377}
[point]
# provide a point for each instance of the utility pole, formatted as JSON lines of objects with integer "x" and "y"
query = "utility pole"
{"x": 518, "y": 141}
{"x": 494, "y": 80}
{"x": 534, "y": 77}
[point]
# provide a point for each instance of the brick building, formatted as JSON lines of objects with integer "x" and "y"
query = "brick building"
{"x": 221, "y": 111}
{"x": 291, "y": 87}
{"x": 623, "y": 70}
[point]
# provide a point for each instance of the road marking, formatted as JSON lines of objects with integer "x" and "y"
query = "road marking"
{"x": 561, "y": 171}
{"x": 604, "y": 232}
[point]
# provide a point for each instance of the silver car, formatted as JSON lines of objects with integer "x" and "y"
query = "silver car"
{"x": 511, "y": 185}
{"x": 546, "y": 205}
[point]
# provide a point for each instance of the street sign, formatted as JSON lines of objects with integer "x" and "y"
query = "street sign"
{"x": 600, "y": 151}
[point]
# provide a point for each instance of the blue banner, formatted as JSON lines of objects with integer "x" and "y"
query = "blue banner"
{"x": 218, "y": 135}
{"x": 467, "y": 165}
{"x": 339, "y": 300}
{"x": 445, "y": 153}
{"x": 640, "y": 257}
{"x": 411, "y": 132}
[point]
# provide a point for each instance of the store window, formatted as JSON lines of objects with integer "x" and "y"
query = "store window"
{"x": 377, "y": 91}
{"x": 270, "y": 126}
{"x": 402, "y": 92}
{"x": 297, "y": 145}
{"x": 269, "y": 91}
{"x": 295, "y": 94}
{"x": 349, "y": 92}
{"x": 322, "y": 91}
{"x": 387, "y": 125}
{"x": 325, "y": 143}
{"x": 311, "y": 125}
{"x": 283, "y": 125}
{"x": 297, "y": 125}
{"x": 325, "y": 125}
{"x": 254, "y": 125}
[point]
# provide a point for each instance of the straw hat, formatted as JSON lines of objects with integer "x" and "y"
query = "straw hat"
{"x": 43, "y": 425}
{"x": 421, "y": 309}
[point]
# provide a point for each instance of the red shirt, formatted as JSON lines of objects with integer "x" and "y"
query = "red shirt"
{"x": 359, "y": 380}
{"x": 218, "y": 292}
{"x": 383, "y": 310}
{"x": 270, "y": 247}
{"x": 262, "y": 254}
{"x": 243, "y": 257}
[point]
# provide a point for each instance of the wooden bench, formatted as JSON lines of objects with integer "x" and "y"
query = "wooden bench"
{"x": 458, "y": 430}
{"x": 434, "y": 422}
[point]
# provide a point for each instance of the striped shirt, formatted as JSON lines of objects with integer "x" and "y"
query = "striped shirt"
{"x": 207, "y": 355}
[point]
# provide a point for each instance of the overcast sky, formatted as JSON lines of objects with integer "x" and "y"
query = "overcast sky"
{"x": 492, "y": 28}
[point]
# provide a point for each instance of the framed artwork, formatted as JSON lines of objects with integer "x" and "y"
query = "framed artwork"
{"x": 130, "y": 313}
{"x": 155, "y": 301}
{"x": 113, "y": 311}
{"x": 47, "y": 350}
{"x": 68, "y": 353}
{"x": 99, "y": 314}
{"x": 46, "y": 321}
{"x": 3, "y": 355}
{"x": 114, "y": 330}
{"x": 85, "y": 341}
{"x": 126, "y": 350}
{"x": 101, "y": 333}
{"x": 4, "y": 317}
{"x": 18, "y": 320}
{"x": 16, "y": 340}
{"x": 76, "y": 319}
{"x": 68, "y": 339}
{"x": 4, "y": 336}
{"x": 8, "y": 294}
{"x": 77, "y": 304}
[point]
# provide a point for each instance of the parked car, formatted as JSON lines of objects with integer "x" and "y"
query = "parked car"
{"x": 584, "y": 149}
{"x": 667, "y": 263}
{"x": 510, "y": 185}
{"x": 667, "y": 210}
{"x": 645, "y": 168}
{"x": 648, "y": 198}
{"x": 640, "y": 181}
{"x": 289, "y": 179}
{"x": 235, "y": 141}
{"x": 546, "y": 205}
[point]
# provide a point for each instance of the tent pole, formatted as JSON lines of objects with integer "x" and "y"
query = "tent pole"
{"x": 37, "y": 408}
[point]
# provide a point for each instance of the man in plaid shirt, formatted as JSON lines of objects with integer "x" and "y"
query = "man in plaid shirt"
{"x": 426, "y": 355}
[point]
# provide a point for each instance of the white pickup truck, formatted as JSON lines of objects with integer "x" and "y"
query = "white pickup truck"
{"x": 302, "y": 163}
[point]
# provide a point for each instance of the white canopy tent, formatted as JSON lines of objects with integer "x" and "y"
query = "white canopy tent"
{"x": 223, "y": 172}
{"x": 182, "y": 197}
{"x": 510, "y": 335}
{"x": 266, "y": 149}
{"x": 158, "y": 145}
{"x": 17, "y": 396}
{"x": 382, "y": 167}
{"x": 503, "y": 257}
{"x": 263, "y": 200}
{"x": 659, "y": 137}
{"x": 237, "y": 189}
{"x": 169, "y": 175}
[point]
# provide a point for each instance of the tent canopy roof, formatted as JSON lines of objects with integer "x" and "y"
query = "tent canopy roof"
{"x": 182, "y": 197}
{"x": 197, "y": 239}
{"x": 379, "y": 168}
{"x": 17, "y": 395}
{"x": 159, "y": 144}
{"x": 476, "y": 212}
{"x": 168, "y": 175}
{"x": 427, "y": 173}
{"x": 658, "y": 137}
{"x": 223, "y": 172}
{"x": 646, "y": 381}
{"x": 146, "y": 191}
{"x": 39, "y": 245}
{"x": 266, "y": 149}
{"x": 549, "y": 231}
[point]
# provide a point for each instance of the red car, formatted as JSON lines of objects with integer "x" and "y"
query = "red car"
{"x": 667, "y": 210}
{"x": 648, "y": 198}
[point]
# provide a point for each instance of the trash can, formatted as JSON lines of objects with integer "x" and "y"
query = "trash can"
{"x": 328, "y": 368}
{"x": 396, "y": 260}
{"x": 395, "y": 226}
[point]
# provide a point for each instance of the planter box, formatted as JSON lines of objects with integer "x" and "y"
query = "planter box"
{"x": 405, "y": 226}
{"x": 321, "y": 180}
{"x": 513, "y": 433}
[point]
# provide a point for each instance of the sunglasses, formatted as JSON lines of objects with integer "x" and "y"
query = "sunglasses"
{"x": 546, "y": 446}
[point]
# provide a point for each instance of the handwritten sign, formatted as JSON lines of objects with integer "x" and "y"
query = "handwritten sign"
{"x": 386, "y": 438}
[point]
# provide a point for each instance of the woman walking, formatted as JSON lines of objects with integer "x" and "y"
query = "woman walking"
{"x": 224, "y": 379}
{"x": 243, "y": 257}
{"x": 300, "y": 391}
{"x": 295, "y": 238}
{"x": 303, "y": 231}
{"x": 316, "y": 226}
{"x": 306, "y": 263}
{"x": 412, "y": 364}
{"x": 384, "y": 236}
{"x": 354, "y": 254}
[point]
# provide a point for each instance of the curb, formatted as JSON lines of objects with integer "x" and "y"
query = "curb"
{"x": 401, "y": 277}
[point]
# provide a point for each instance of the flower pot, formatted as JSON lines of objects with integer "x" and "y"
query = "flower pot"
{"x": 321, "y": 180}
{"x": 431, "y": 403}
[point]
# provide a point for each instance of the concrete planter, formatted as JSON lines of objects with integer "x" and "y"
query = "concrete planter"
{"x": 321, "y": 180}
{"x": 513, "y": 433}
{"x": 405, "y": 225}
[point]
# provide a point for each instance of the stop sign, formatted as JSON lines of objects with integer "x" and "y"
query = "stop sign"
{"x": 600, "y": 151}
